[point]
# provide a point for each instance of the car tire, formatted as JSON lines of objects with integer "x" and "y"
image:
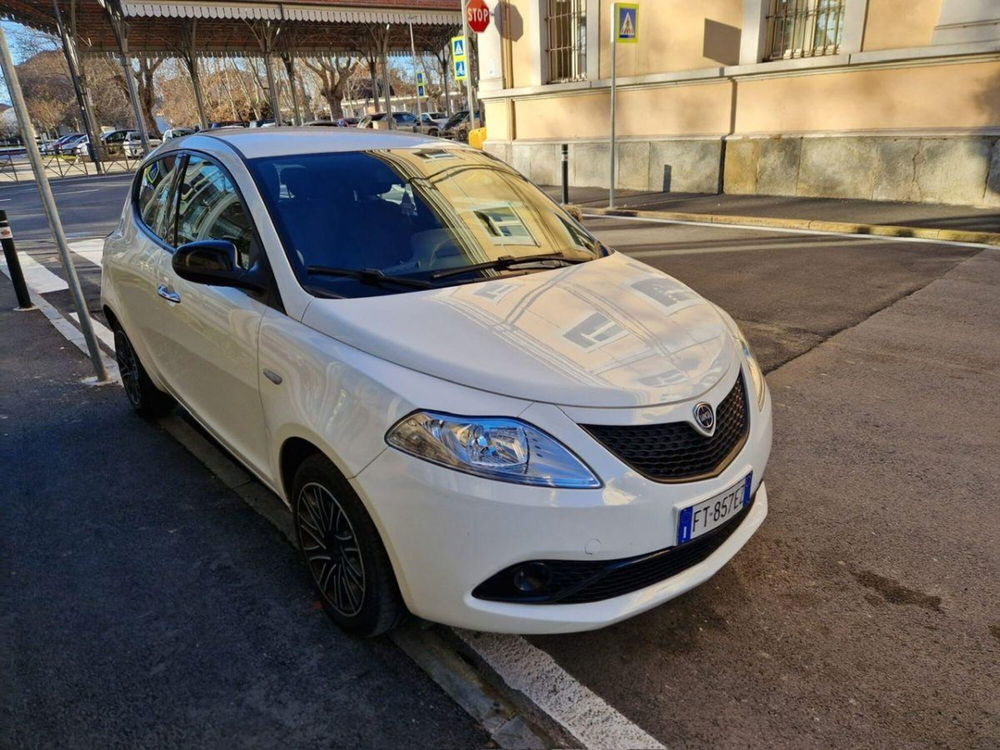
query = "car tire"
{"x": 358, "y": 589}
{"x": 145, "y": 397}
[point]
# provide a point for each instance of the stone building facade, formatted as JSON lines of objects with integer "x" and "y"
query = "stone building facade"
{"x": 874, "y": 99}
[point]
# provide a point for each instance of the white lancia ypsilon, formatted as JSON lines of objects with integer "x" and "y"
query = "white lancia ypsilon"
{"x": 476, "y": 411}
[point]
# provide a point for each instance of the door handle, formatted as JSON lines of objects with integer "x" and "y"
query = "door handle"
{"x": 168, "y": 294}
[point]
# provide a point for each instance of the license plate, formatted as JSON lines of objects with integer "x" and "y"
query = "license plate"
{"x": 712, "y": 513}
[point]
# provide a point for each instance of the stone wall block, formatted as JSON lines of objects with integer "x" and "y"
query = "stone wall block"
{"x": 778, "y": 166}
{"x": 837, "y": 168}
{"x": 742, "y": 157}
{"x": 953, "y": 170}
{"x": 689, "y": 166}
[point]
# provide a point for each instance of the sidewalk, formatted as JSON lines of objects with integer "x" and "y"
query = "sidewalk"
{"x": 932, "y": 221}
{"x": 144, "y": 603}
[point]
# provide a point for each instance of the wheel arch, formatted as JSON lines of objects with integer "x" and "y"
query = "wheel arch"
{"x": 294, "y": 450}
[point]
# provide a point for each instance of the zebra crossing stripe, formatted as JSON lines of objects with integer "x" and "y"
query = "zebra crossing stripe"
{"x": 103, "y": 332}
{"x": 90, "y": 250}
{"x": 36, "y": 276}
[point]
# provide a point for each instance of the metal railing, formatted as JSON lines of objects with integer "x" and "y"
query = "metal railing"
{"x": 566, "y": 24}
{"x": 804, "y": 28}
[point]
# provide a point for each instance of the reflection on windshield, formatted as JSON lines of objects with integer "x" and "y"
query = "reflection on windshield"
{"x": 411, "y": 213}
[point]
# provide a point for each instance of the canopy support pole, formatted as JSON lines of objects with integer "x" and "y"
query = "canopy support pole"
{"x": 79, "y": 89}
{"x": 292, "y": 86}
{"x": 190, "y": 57}
{"x": 117, "y": 19}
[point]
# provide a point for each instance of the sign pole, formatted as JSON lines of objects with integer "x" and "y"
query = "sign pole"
{"x": 614, "y": 99}
{"x": 49, "y": 205}
{"x": 468, "y": 66}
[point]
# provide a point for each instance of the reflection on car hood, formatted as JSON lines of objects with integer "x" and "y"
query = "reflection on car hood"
{"x": 609, "y": 333}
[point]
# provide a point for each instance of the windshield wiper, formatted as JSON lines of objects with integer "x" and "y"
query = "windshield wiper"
{"x": 506, "y": 261}
{"x": 371, "y": 276}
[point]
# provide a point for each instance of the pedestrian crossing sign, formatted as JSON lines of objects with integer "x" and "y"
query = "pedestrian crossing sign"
{"x": 626, "y": 23}
{"x": 421, "y": 92}
{"x": 420, "y": 78}
{"x": 458, "y": 57}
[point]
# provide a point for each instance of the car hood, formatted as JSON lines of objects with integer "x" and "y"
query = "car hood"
{"x": 608, "y": 333}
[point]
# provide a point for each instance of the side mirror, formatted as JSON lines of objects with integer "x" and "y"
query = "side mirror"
{"x": 213, "y": 262}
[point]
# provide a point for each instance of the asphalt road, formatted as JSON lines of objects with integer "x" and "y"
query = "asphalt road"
{"x": 864, "y": 611}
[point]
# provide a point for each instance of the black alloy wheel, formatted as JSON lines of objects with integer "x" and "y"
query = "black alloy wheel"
{"x": 348, "y": 565}
{"x": 145, "y": 397}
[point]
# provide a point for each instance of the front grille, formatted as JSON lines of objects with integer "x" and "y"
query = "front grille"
{"x": 584, "y": 581}
{"x": 675, "y": 451}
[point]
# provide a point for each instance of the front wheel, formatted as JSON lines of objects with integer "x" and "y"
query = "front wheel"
{"x": 347, "y": 562}
{"x": 145, "y": 397}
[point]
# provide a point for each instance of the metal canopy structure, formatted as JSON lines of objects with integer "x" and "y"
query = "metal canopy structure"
{"x": 195, "y": 29}
{"x": 302, "y": 28}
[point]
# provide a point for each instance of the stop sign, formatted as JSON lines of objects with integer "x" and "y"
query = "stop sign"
{"x": 478, "y": 15}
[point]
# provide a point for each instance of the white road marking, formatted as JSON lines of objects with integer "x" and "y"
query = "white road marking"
{"x": 579, "y": 710}
{"x": 103, "y": 332}
{"x": 92, "y": 250}
{"x": 783, "y": 230}
{"x": 36, "y": 276}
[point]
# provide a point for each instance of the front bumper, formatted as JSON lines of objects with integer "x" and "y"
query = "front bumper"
{"x": 447, "y": 532}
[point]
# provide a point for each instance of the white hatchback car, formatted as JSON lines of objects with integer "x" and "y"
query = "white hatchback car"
{"x": 475, "y": 411}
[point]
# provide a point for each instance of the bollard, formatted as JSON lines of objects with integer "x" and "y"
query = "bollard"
{"x": 565, "y": 173}
{"x": 13, "y": 264}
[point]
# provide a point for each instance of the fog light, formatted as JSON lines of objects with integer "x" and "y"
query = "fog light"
{"x": 532, "y": 577}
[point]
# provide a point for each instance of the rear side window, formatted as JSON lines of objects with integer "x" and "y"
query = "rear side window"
{"x": 211, "y": 209}
{"x": 154, "y": 197}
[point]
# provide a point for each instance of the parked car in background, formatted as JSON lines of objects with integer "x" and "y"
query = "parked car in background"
{"x": 132, "y": 145}
{"x": 430, "y": 125}
{"x": 53, "y": 147}
{"x": 113, "y": 142}
{"x": 457, "y": 127}
{"x": 434, "y": 118}
{"x": 473, "y": 409}
{"x": 347, "y": 122}
{"x": 171, "y": 133}
{"x": 323, "y": 123}
{"x": 66, "y": 144}
{"x": 405, "y": 121}
{"x": 227, "y": 124}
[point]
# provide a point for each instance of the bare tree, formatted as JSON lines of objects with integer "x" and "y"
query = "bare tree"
{"x": 334, "y": 74}
{"x": 146, "y": 89}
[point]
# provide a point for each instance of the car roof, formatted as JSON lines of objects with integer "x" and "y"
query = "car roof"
{"x": 286, "y": 141}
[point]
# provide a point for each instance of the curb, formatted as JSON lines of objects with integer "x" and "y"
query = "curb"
{"x": 840, "y": 227}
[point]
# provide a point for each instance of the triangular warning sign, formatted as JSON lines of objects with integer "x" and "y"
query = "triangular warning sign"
{"x": 628, "y": 29}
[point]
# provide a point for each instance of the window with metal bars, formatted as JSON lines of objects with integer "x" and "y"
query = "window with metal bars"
{"x": 804, "y": 28}
{"x": 566, "y": 41}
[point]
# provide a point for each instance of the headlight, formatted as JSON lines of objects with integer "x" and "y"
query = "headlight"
{"x": 495, "y": 447}
{"x": 756, "y": 374}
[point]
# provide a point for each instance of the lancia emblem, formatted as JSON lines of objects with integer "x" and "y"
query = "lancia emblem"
{"x": 704, "y": 418}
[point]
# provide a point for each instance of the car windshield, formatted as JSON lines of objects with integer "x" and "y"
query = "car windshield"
{"x": 423, "y": 213}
